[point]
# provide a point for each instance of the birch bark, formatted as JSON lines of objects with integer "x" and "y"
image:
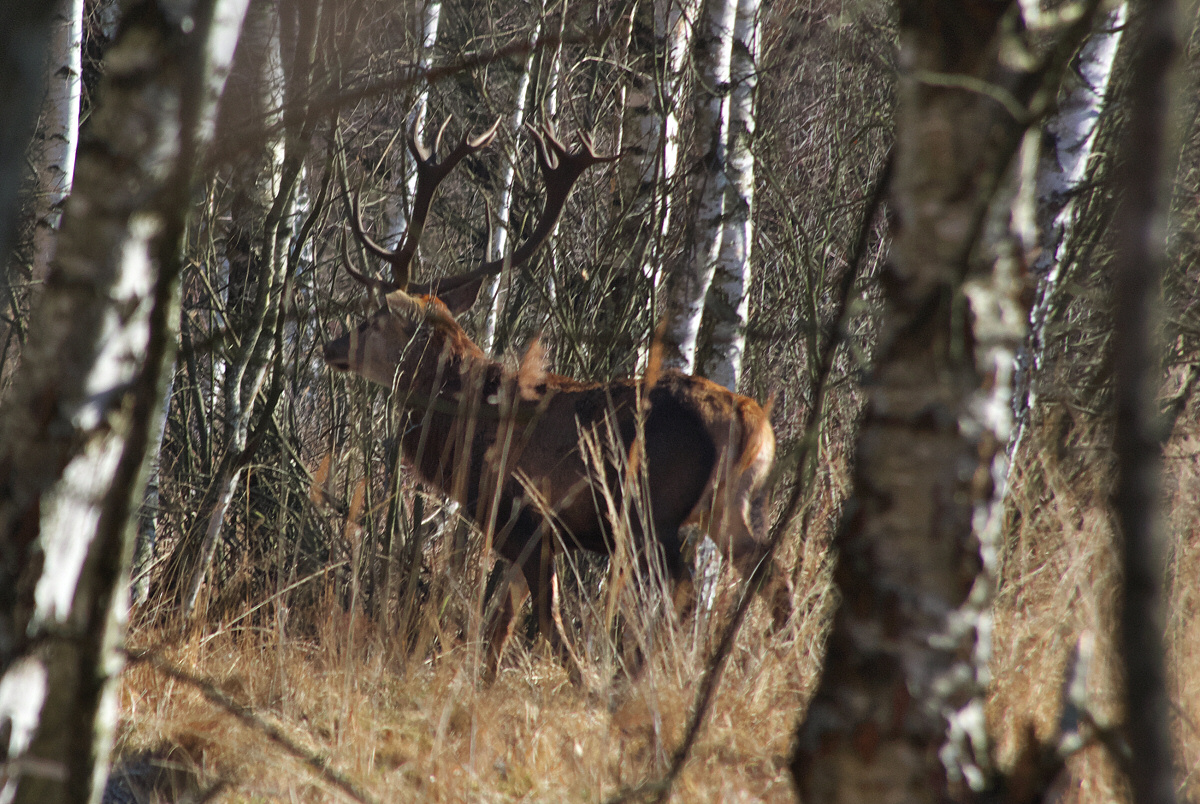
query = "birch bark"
{"x": 652, "y": 130}
{"x": 276, "y": 74}
{"x": 60, "y": 131}
{"x": 1064, "y": 165}
{"x": 395, "y": 211}
{"x": 691, "y": 283}
{"x": 492, "y": 290}
{"x": 728, "y": 302}
{"x": 898, "y": 713}
{"x": 78, "y": 422}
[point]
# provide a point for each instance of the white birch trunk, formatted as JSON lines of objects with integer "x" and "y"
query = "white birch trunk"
{"x": 1064, "y": 166}
{"x": 652, "y": 138}
{"x": 71, "y": 446}
{"x": 60, "y": 131}
{"x": 729, "y": 294}
{"x": 690, "y": 285}
{"x": 492, "y": 290}
{"x": 551, "y": 106}
{"x": 395, "y": 211}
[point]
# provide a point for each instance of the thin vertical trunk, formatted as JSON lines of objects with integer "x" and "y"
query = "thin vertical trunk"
{"x": 77, "y": 424}
{"x": 147, "y": 529}
{"x": 728, "y": 301}
{"x": 551, "y": 105}
{"x": 272, "y": 74}
{"x": 690, "y": 284}
{"x": 395, "y": 211}
{"x": 651, "y": 138}
{"x": 1070, "y": 133}
{"x": 493, "y": 292}
{"x": 60, "y": 130}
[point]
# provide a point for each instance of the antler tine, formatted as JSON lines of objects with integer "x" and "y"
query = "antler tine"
{"x": 354, "y": 213}
{"x": 377, "y": 287}
{"x": 560, "y": 165}
{"x": 560, "y": 169}
{"x": 356, "y": 224}
{"x": 437, "y": 141}
{"x": 430, "y": 173}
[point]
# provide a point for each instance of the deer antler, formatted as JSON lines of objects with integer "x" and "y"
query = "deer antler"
{"x": 430, "y": 173}
{"x": 376, "y": 287}
{"x": 560, "y": 169}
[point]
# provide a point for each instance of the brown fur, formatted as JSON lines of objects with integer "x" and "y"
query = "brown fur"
{"x": 490, "y": 440}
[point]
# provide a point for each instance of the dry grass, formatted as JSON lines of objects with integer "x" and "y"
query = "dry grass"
{"x": 1182, "y": 487}
{"x": 1061, "y": 580}
{"x": 407, "y": 728}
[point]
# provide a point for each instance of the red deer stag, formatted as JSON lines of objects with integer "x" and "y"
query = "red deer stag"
{"x": 507, "y": 447}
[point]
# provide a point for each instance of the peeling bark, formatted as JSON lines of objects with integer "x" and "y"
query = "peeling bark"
{"x": 59, "y": 131}
{"x": 906, "y": 662}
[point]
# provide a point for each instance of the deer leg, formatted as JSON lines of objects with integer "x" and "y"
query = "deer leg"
{"x": 500, "y": 625}
{"x": 543, "y": 588}
{"x": 662, "y": 558}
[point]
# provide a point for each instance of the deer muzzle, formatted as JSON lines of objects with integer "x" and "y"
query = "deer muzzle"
{"x": 337, "y": 353}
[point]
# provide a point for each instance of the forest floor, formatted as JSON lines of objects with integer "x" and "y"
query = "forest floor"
{"x": 401, "y": 724}
{"x": 405, "y": 729}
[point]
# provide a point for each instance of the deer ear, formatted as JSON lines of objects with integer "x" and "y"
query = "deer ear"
{"x": 461, "y": 298}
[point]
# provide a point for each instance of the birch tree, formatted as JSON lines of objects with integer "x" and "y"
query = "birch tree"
{"x": 1069, "y": 134}
{"x": 499, "y": 239}
{"x": 898, "y": 713}
{"x": 395, "y": 219}
{"x": 59, "y": 130}
{"x": 690, "y": 284}
{"x": 77, "y": 423}
{"x": 728, "y": 301}
{"x": 650, "y": 141}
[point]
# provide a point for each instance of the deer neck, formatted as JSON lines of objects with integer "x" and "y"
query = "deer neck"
{"x": 452, "y": 418}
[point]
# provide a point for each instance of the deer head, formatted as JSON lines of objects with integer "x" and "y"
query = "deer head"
{"x": 414, "y": 333}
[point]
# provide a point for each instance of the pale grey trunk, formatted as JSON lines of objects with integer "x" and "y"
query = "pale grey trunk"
{"x": 59, "y": 130}
{"x": 1070, "y": 135}
{"x": 651, "y": 141}
{"x": 147, "y": 530}
{"x": 551, "y": 106}
{"x": 690, "y": 285}
{"x": 395, "y": 211}
{"x": 495, "y": 291}
{"x": 78, "y": 421}
{"x": 728, "y": 301}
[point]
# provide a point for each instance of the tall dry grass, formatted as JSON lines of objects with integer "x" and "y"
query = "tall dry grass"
{"x": 393, "y": 701}
{"x": 411, "y": 727}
